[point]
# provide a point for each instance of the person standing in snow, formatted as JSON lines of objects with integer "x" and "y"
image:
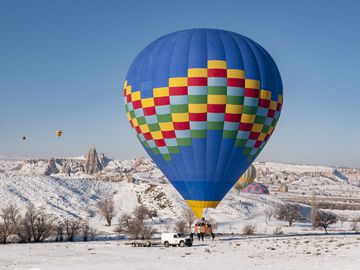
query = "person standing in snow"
{"x": 197, "y": 230}
{"x": 202, "y": 231}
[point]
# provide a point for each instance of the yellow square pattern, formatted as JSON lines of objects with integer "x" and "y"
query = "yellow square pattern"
{"x": 161, "y": 92}
{"x": 273, "y": 105}
{"x": 197, "y": 72}
{"x": 135, "y": 122}
{"x": 179, "y": 81}
{"x": 128, "y": 90}
{"x": 265, "y": 94}
{"x": 262, "y": 136}
{"x": 197, "y": 108}
{"x": 135, "y": 96}
{"x": 270, "y": 130}
{"x": 217, "y": 64}
{"x": 148, "y": 102}
{"x": 235, "y": 74}
{"x": 180, "y": 117}
{"x": 254, "y": 84}
{"x": 216, "y": 99}
{"x": 166, "y": 126}
{"x": 144, "y": 128}
{"x": 248, "y": 118}
{"x": 157, "y": 135}
{"x": 232, "y": 108}
{"x": 257, "y": 127}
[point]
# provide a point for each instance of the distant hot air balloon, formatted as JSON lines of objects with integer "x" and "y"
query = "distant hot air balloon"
{"x": 203, "y": 103}
{"x": 283, "y": 188}
{"x": 247, "y": 178}
{"x": 24, "y": 138}
{"x": 59, "y": 133}
{"x": 256, "y": 188}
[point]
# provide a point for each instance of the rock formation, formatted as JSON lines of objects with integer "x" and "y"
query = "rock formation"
{"x": 51, "y": 169}
{"x": 92, "y": 164}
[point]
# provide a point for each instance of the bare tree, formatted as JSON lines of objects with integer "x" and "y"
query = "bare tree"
{"x": 21, "y": 230}
{"x": 35, "y": 225}
{"x": 85, "y": 231}
{"x": 130, "y": 225}
{"x": 40, "y": 224}
{"x": 180, "y": 226}
{"x": 289, "y": 212}
{"x": 107, "y": 208}
{"x": 147, "y": 232}
{"x": 92, "y": 233}
{"x": 188, "y": 216}
{"x": 269, "y": 213}
{"x": 88, "y": 232}
{"x": 72, "y": 228}
{"x": 134, "y": 226}
{"x": 141, "y": 213}
{"x": 6, "y": 226}
{"x": 59, "y": 230}
{"x": 324, "y": 219}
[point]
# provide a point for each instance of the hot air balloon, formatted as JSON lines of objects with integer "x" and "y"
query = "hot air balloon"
{"x": 256, "y": 188}
{"x": 58, "y": 133}
{"x": 23, "y": 138}
{"x": 203, "y": 103}
{"x": 283, "y": 188}
{"x": 247, "y": 178}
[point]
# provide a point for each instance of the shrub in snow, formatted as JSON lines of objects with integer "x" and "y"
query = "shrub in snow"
{"x": 249, "y": 229}
{"x": 289, "y": 212}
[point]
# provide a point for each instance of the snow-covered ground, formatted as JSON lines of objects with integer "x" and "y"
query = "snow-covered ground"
{"x": 139, "y": 181}
{"x": 296, "y": 253}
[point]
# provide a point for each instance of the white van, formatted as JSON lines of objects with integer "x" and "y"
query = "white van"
{"x": 174, "y": 239}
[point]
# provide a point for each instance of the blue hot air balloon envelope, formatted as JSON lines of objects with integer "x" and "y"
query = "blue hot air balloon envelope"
{"x": 203, "y": 103}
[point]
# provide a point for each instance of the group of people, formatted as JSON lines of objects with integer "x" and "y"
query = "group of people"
{"x": 201, "y": 229}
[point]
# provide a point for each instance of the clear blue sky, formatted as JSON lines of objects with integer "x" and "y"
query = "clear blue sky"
{"x": 62, "y": 66}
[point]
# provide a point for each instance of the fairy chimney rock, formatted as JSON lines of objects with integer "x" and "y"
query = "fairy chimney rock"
{"x": 51, "y": 168}
{"x": 92, "y": 164}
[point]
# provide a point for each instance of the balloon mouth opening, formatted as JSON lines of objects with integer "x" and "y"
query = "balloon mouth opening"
{"x": 198, "y": 206}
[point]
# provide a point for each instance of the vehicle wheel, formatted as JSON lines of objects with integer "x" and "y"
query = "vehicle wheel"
{"x": 148, "y": 244}
{"x": 166, "y": 244}
{"x": 133, "y": 244}
{"x": 182, "y": 244}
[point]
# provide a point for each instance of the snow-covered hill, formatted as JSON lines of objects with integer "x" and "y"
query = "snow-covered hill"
{"x": 73, "y": 193}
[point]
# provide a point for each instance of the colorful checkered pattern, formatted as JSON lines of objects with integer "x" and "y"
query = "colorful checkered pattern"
{"x": 212, "y": 98}
{"x": 256, "y": 188}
